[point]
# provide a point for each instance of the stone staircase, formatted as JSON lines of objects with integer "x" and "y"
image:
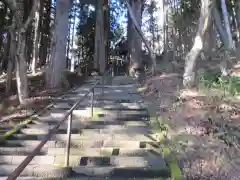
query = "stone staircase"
{"x": 117, "y": 143}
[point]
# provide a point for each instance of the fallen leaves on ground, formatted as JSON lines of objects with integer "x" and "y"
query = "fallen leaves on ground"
{"x": 205, "y": 128}
{"x": 11, "y": 111}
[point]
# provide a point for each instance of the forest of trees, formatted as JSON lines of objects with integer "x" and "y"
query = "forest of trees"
{"x": 41, "y": 34}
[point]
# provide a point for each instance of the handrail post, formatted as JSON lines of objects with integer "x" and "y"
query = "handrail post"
{"x": 112, "y": 70}
{"x": 112, "y": 73}
{"x": 92, "y": 102}
{"x": 69, "y": 128}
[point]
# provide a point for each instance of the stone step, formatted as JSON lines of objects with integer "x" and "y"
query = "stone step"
{"x": 5, "y": 127}
{"x": 3, "y": 131}
{"x": 82, "y": 144}
{"x": 88, "y": 136}
{"x": 101, "y": 121}
{"x": 148, "y": 161}
{"x": 63, "y": 106}
{"x": 46, "y": 171}
{"x": 123, "y": 172}
{"x": 42, "y": 131}
{"x": 77, "y": 151}
{"x": 119, "y": 97}
{"x": 127, "y": 106}
{"x": 80, "y": 112}
{"x": 81, "y": 172}
{"x": 76, "y": 177}
{"x": 118, "y": 129}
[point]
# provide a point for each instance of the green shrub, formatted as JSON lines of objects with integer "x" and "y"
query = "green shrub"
{"x": 214, "y": 80}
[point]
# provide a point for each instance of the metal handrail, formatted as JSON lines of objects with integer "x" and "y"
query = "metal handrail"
{"x": 67, "y": 115}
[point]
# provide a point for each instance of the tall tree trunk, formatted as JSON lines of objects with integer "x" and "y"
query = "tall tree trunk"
{"x": 21, "y": 68}
{"x": 129, "y": 34}
{"x": 55, "y": 72}
{"x": 226, "y": 22}
{"x": 5, "y": 58}
{"x": 45, "y": 32}
{"x": 237, "y": 7}
{"x": 100, "y": 53}
{"x": 11, "y": 60}
{"x": 20, "y": 58}
{"x": 36, "y": 40}
{"x": 107, "y": 29}
{"x": 68, "y": 44}
{"x": 27, "y": 5}
{"x": 74, "y": 55}
{"x": 144, "y": 39}
{"x": 136, "y": 38}
{"x": 190, "y": 60}
{"x": 220, "y": 29}
{"x": 234, "y": 20}
{"x": 2, "y": 24}
{"x": 226, "y": 38}
{"x": 152, "y": 23}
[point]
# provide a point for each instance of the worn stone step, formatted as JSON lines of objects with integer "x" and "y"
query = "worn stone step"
{"x": 82, "y": 144}
{"x": 46, "y": 171}
{"x": 88, "y": 136}
{"x": 5, "y": 126}
{"x": 123, "y": 172}
{"x": 105, "y": 111}
{"x": 101, "y": 121}
{"x": 77, "y": 177}
{"x": 3, "y": 131}
{"x": 64, "y": 100}
{"x": 148, "y": 161}
{"x": 119, "y": 97}
{"x": 81, "y": 172}
{"x": 129, "y": 106}
{"x": 118, "y": 129}
{"x": 85, "y": 112}
{"x": 77, "y": 151}
{"x": 64, "y": 106}
{"x": 42, "y": 131}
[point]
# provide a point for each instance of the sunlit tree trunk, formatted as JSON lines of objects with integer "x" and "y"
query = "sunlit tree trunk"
{"x": 100, "y": 50}
{"x": 18, "y": 45}
{"x": 190, "y": 60}
{"x": 20, "y": 58}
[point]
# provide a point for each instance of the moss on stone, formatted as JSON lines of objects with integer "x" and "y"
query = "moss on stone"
{"x": 16, "y": 128}
{"x": 172, "y": 162}
{"x": 96, "y": 113}
{"x": 106, "y": 151}
{"x": 141, "y": 89}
